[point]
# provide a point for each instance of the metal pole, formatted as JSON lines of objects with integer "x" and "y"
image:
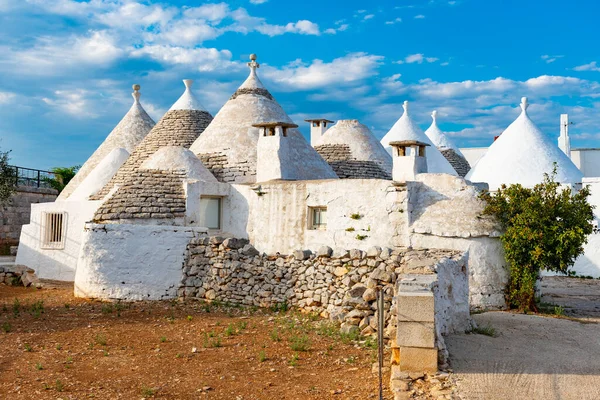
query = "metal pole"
{"x": 38, "y": 182}
{"x": 380, "y": 328}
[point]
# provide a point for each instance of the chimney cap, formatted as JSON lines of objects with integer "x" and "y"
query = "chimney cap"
{"x": 318, "y": 120}
{"x": 406, "y": 143}
{"x": 274, "y": 124}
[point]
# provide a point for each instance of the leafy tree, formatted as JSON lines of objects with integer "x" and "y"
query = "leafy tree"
{"x": 7, "y": 178}
{"x": 545, "y": 228}
{"x": 62, "y": 176}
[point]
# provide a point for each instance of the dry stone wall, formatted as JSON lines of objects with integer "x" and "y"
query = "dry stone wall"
{"x": 338, "y": 285}
{"x": 17, "y": 212}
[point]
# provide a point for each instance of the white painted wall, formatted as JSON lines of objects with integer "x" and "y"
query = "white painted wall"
{"x": 587, "y": 160}
{"x": 132, "y": 262}
{"x": 278, "y": 220}
{"x": 58, "y": 264}
{"x": 100, "y": 175}
{"x": 473, "y": 154}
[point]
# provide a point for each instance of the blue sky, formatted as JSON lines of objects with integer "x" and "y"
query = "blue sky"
{"x": 67, "y": 66}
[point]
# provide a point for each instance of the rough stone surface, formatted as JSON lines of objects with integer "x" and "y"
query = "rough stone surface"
{"x": 17, "y": 212}
{"x": 175, "y": 128}
{"x": 146, "y": 194}
{"x": 459, "y": 163}
{"x": 347, "y": 167}
{"x": 214, "y": 271}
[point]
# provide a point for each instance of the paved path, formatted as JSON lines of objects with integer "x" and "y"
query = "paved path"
{"x": 533, "y": 357}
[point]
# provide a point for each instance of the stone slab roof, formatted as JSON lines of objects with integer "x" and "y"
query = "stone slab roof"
{"x": 175, "y": 128}
{"x": 458, "y": 162}
{"x": 346, "y": 166}
{"x": 146, "y": 194}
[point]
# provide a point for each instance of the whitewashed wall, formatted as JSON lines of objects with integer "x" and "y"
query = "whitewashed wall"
{"x": 132, "y": 262}
{"x": 58, "y": 264}
{"x": 277, "y": 221}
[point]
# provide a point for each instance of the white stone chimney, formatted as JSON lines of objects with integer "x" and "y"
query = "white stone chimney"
{"x": 564, "y": 141}
{"x": 409, "y": 160}
{"x": 317, "y": 128}
{"x": 273, "y": 152}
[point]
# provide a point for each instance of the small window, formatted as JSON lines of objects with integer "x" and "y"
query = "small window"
{"x": 54, "y": 226}
{"x": 210, "y": 212}
{"x": 318, "y": 218}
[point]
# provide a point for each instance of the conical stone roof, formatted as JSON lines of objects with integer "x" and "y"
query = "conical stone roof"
{"x": 228, "y": 147}
{"x": 447, "y": 147}
{"x": 180, "y": 126}
{"x": 353, "y": 151}
{"x": 156, "y": 190}
{"x": 128, "y": 133}
{"x": 406, "y": 129}
{"x": 522, "y": 154}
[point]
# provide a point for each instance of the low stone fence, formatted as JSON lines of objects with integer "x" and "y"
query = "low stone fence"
{"x": 340, "y": 285}
{"x": 17, "y": 275}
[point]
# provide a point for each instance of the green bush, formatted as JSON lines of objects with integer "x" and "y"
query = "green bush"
{"x": 545, "y": 228}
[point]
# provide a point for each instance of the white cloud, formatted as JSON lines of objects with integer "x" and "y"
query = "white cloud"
{"x": 6, "y": 97}
{"x": 550, "y": 59}
{"x": 588, "y": 67}
{"x": 209, "y": 12}
{"x": 201, "y": 58}
{"x": 349, "y": 69}
{"x": 73, "y": 102}
{"x": 258, "y": 1}
{"x": 420, "y": 16}
{"x": 52, "y": 55}
{"x": 394, "y": 21}
{"x": 368, "y": 17}
{"x": 303, "y": 27}
{"x": 418, "y": 58}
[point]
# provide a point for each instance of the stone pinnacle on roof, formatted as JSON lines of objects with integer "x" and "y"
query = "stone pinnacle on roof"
{"x": 128, "y": 133}
{"x": 228, "y": 146}
{"x": 187, "y": 101}
{"x": 523, "y": 154}
{"x": 447, "y": 147}
{"x": 406, "y": 129}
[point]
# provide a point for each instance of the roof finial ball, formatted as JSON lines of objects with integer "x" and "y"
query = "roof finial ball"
{"x": 253, "y": 64}
{"x": 136, "y": 92}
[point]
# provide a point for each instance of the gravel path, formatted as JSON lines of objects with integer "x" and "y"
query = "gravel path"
{"x": 534, "y": 357}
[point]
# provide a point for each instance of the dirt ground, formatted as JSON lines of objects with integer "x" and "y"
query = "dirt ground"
{"x": 54, "y": 346}
{"x": 534, "y": 357}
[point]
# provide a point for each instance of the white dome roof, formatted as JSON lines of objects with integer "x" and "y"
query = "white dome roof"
{"x": 231, "y": 133}
{"x": 522, "y": 154}
{"x": 406, "y": 129}
{"x": 128, "y": 133}
{"x": 187, "y": 101}
{"x": 177, "y": 158}
{"x": 439, "y": 138}
{"x": 364, "y": 146}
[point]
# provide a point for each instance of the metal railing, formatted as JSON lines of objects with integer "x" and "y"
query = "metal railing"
{"x": 32, "y": 177}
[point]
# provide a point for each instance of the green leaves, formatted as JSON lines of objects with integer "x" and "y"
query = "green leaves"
{"x": 7, "y": 178}
{"x": 545, "y": 228}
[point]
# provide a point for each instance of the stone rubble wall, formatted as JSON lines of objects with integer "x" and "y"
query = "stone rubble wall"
{"x": 17, "y": 212}
{"x": 16, "y": 275}
{"x": 340, "y": 286}
{"x": 146, "y": 194}
{"x": 217, "y": 164}
{"x": 176, "y": 128}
